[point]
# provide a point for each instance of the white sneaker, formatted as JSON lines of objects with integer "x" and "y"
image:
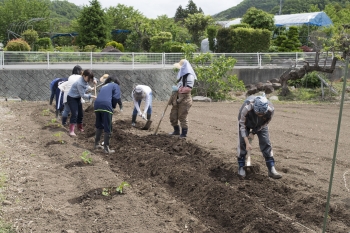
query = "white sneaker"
{"x": 241, "y": 171}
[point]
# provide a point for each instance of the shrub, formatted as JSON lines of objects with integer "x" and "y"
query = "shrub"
{"x": 17, "y": 45}
{"x": 115, "y": 45}
{"x": 30, "y": 35}
{"x": 43, "y": 43}
{"x": 90, "y": 48}
{"x": 310, "y": 80}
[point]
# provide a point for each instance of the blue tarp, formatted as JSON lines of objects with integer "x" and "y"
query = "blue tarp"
{"x": 313, "y": 18}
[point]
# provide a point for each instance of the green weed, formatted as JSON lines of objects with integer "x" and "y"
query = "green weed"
{"x": 59, "y": 137}
{"x": 45, "y": 112}
{"x": 120, "y": 188}
{"x": 85, "y": 158}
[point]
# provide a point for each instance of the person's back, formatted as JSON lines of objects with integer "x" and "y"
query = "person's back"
{"x": 107, "y": 98}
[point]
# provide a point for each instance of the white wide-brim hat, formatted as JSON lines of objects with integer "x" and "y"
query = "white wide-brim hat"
{"x": 179, "y": 64}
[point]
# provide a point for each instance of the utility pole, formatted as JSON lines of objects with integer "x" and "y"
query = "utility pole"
{"x": 280, "y": 7}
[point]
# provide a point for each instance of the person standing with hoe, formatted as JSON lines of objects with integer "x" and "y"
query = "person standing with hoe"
{"x": 182, "y": 100}
{"x": 253, "y": 118}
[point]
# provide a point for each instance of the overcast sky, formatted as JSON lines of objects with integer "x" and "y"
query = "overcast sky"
{"x": 153, "y": 8}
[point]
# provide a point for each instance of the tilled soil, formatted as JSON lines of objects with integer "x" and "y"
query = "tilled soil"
{"x": 176, "y": 185}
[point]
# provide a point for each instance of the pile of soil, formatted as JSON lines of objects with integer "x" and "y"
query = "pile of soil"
{"x": 178, "y": 185}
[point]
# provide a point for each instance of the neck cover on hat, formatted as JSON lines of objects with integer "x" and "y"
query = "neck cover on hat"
{"x": 186, "y": 68}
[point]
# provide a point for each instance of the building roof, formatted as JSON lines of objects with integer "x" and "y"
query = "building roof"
{"x": 312, "y": 18}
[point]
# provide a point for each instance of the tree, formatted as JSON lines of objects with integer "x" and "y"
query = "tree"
{"x": 196, "y": 25}
{"x": 21, "y": 11}
{"x": 139, "y": 27}
{"x": 190, "y": 9}
{"x": 258, "y": 19}
{"x": 180, "y": 13}
{"x": 31, "y": 36}
{"x": 92, "y": 25}
{"x": 289, "y": 42}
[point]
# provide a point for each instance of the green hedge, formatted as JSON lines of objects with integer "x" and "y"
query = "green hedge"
{"x": 243, "y": 40}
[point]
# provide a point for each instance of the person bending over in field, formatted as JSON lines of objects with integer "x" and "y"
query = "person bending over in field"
{"x": 105, "y": 103}
{"x": 253, "y": 118}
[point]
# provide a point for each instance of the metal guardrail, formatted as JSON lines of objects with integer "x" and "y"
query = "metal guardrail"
{"x": 131, "y": 61}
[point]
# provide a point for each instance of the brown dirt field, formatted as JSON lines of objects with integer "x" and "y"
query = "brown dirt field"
{"x": 177, "y": 185}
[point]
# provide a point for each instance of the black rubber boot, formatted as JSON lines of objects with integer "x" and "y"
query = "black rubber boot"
{"x": 184, "y": 133}
{"x": 64, "y": 121}
{"x": 148, "y": 117}
{"x": 107, "y": 137}
{"x": 133, "y": 120}
{"x": 176, "y": 130}
{"x": 270, "y": 164}
{"x": 51, "y": 100}
{"x": 98, "y": 138}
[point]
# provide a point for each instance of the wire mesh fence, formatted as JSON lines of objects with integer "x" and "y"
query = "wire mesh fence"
{"x": 131, "y": 61}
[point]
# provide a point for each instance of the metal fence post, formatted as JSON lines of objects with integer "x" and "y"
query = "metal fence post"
{"x": 163, "y": 60}
{"x": 259, "y": 60}
{"x": 296, "y": 59}
{"x": 91, "y": 60}
{"x": 133, "y": 60}
{"x": 1, "y": 59}
{"x": 48, "y": 60}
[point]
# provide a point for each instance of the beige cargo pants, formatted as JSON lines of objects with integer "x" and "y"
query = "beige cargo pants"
{"x": 180, "y": 109}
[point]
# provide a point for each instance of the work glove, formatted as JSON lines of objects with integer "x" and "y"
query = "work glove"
{"x": 144, "y": 116}
{"x": 175, "y": 88}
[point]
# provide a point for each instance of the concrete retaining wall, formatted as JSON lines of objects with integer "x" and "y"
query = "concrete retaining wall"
{"x": 33, "y": 85}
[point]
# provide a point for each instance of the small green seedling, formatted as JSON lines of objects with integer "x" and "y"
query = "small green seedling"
{"x": 59, "y": 136}
{"x": 120, "y": 188}
{"x": 85, "y": 158}
{"x": 45, "y": 112}
{"x": 53, "y": 122}
{"x": 105, "y": 192}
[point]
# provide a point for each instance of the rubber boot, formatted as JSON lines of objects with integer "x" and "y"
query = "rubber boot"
{"x": 51, "y": 100}
{"x": 71, "y": 130}
{"x": 97, "y": 139}
{"x": 133, "y": 120}
{"x": 64, "y": 121}
{"x": 241, "y": 171}
{"x": 241, "y": 164}
{"x": 273, "y": 173}
{"x": 270, "y": 163}
{"x": 149, "y": 117}
{"x": 176, "y": 130}
{"x": 107, "y": 137}
{"x": 184, "y": 133}
{"x": 80, "y": 127}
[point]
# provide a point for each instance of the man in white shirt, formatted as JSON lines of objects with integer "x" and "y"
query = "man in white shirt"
{"x": 141, "y": 92}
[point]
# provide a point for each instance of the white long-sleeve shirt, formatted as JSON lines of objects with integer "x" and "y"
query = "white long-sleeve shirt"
{"x": 147, "y": 99}
{"x": 66, "y": 86}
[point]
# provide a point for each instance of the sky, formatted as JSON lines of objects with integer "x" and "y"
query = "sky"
{"x": 153, "y": 8}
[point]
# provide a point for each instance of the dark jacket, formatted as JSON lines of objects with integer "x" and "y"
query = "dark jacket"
{"x": 107, "y": 98}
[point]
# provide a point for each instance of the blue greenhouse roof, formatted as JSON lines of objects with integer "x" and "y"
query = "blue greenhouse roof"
{"x": 313, "y": 18}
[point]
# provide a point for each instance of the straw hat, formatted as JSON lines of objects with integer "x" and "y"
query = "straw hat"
{"x": 179, "y": 64}
{"x": 104, "y": 77}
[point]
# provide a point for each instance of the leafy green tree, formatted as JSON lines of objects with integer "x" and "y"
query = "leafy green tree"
{"x": 158, "y": 41}
{"x": 258, "y": 19}
{"x": 139, "y": 27}
{"x": 213, "y": 76}
{"x": 92, "y": 25}
{"x": 15, "y": 12}
{"x": 196, "y": 24}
